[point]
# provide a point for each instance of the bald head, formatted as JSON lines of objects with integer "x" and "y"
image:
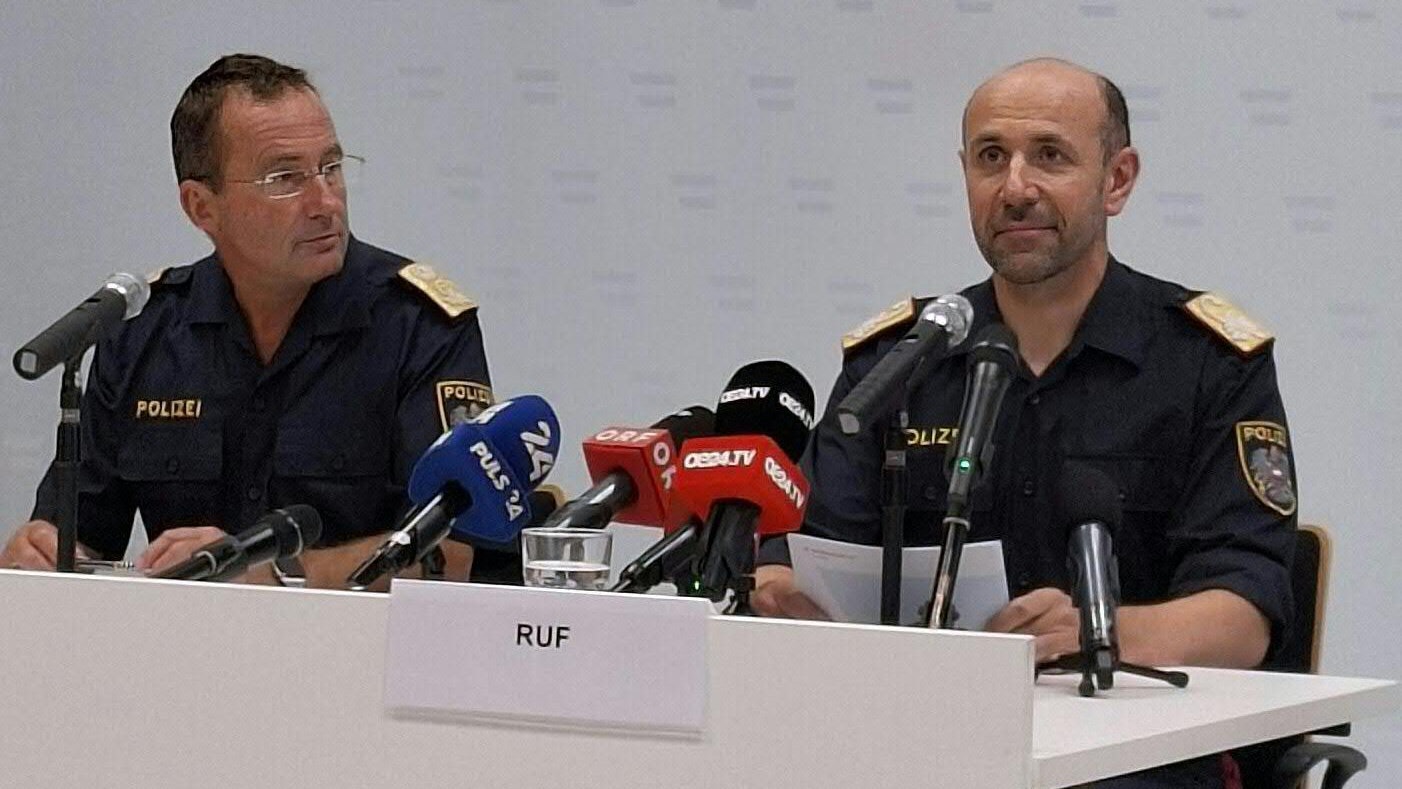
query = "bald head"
{"x": 1065, "y": 76}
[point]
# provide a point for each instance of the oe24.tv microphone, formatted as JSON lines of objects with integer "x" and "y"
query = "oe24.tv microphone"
{"x": 1089, "y": 503}
{"x": 993, "y": 361}
{"x": 745, "y": 479}
{"x": 943, "y": 324}
{"x": 120, "y": 298}
{"x": 632, "y": 470}
{"x": 475, "y": 481}
{"x": 281, "y": 534}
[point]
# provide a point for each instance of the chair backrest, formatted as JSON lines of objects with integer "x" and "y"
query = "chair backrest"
{"x": 1299, "y": 647}
{"x": 1309, "y": 582}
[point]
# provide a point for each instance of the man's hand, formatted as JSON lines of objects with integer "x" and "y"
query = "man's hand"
{"x": 1046, "y": 613}
{"x": 176, "y": 545}
{"x": 776, "y": 595}
{"x": 34, "y": 546}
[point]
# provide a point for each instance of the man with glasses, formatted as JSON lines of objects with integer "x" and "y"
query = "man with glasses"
{"x": 294, "y": 365}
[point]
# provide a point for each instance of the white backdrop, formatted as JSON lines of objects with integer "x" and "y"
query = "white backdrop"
{"x": 646, "y": 194}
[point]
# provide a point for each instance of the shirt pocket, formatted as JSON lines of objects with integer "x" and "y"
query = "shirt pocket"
{"x": 331, "y": 455}
{"x": 175, "y": 472}
{"x": 1149, "y": 487}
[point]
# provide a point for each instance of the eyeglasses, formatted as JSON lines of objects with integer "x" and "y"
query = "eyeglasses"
{"x": 290, "y": 183}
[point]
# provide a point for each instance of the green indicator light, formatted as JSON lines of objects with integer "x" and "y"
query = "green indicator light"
{"x": 965, "y": 465}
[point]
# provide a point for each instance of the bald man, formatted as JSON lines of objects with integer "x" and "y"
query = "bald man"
{"x": 1169, "y": 391}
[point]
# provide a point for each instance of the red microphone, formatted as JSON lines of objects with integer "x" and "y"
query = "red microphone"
{"x": 743, "y": 470}
{"x": 633, "y": 471}
{"x": 745, "y": 481}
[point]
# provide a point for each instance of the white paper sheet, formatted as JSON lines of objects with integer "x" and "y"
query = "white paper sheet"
{"x": 844, "y": 579}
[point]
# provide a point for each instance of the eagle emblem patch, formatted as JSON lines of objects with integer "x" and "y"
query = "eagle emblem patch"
{"x": 1264, "y": 449}
{"x": 459, "y": 401}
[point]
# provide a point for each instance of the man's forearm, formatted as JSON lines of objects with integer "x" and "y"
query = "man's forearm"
{"x": 1213, "y": 627}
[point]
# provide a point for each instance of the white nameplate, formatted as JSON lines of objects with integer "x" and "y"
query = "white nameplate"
{"x": 548, "y": 655}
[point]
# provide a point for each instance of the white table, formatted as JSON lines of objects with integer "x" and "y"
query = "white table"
{"x": 119, "y": 682}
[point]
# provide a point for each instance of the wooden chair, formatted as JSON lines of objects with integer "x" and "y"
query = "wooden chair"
{"x": 1283, "y": 763}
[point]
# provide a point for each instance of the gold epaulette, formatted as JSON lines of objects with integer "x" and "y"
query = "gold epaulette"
{"x": 438, "y": 288}
{"x": 896, "y": 314}
{"x": 1227, "y": 321}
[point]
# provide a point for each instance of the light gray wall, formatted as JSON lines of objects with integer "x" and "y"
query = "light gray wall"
{"x": 646, "y": 194}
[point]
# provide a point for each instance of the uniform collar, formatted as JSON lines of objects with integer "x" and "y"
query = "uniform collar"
{"x": 338, "y": 303}
{"x": 1114, "y": 320}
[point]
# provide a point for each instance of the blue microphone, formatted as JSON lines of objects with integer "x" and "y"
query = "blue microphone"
{"x": 474, "y": 481}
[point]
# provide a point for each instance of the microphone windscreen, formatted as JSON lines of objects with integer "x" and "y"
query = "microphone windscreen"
{"x": 1087, "y": 494}
{"x": 303, "y": 524}
{"x": 526, "y": 432}
{"x": 694, "y": 421}
{"x": 768, "y": 398}
{"x": 995, "y": 343}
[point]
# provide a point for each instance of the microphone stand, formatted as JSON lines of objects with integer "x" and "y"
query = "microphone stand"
{"x": 68, "y": 455}
{"x": 1097, "y": 664}
{"x": 894, "y": 492}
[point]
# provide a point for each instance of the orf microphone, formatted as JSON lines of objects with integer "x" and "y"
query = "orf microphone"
{"x": 1089, "y": 503}
{"x": 280, "y": 534}
{"x": 474, "y": 481}
{"x": 942, "y": 324}
{"x": 633, "y": 471}
{"x": 120, "y": 298}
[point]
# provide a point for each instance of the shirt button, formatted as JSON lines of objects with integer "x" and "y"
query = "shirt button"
{"x": 339, "y": 462}
{"x": 932, "y": 492}
{"x": 1028, "y": 487}
{"x": 1024, "y": 582}
{"x": 173, "y": 465}
{"x": 1035, "y": 399}
{"x": 254, "y": 493}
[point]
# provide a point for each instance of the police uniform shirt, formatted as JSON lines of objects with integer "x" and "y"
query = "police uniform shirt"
{"x": 182, "y": 421}
{"x": 1189, "y": 427}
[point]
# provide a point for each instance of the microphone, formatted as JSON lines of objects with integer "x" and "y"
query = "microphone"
{"x": 745, "y": 478}
{"x": 943, "y": 324}
{"x": 992, "y": 362}
{"x": 120, "y": 298}
{"x": 280, "y": 534}
{"x": 660, "y": 560}
{"x": 1089, "y": 503}
{"x": 632, "y": 470}
{"x": 474, "y": 481}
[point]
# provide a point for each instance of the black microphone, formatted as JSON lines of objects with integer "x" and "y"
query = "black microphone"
{"x": 943, "y": 323}
{"x": 767, "y": 405}
{"x": 120, "y": 298}
{"x": 1089, "y": 503}
{"x": 993, "y": 361}
{"x": 280, "y": 534}
{"x": 660, "y": 561}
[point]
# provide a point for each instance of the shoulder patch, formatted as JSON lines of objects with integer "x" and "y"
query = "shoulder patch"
{"x": 896, "y": 314}
{"x": 439, "y": 289}
{"x": 1227, "y": 321}
{"x": 1264, "y": 451}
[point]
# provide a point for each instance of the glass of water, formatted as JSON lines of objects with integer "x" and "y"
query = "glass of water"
{"x": 566, "y": 558}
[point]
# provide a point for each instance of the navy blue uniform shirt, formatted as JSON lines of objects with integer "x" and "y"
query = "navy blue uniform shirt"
{"x": 183, "y": 422}
{"x": 1190, "y": 429}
